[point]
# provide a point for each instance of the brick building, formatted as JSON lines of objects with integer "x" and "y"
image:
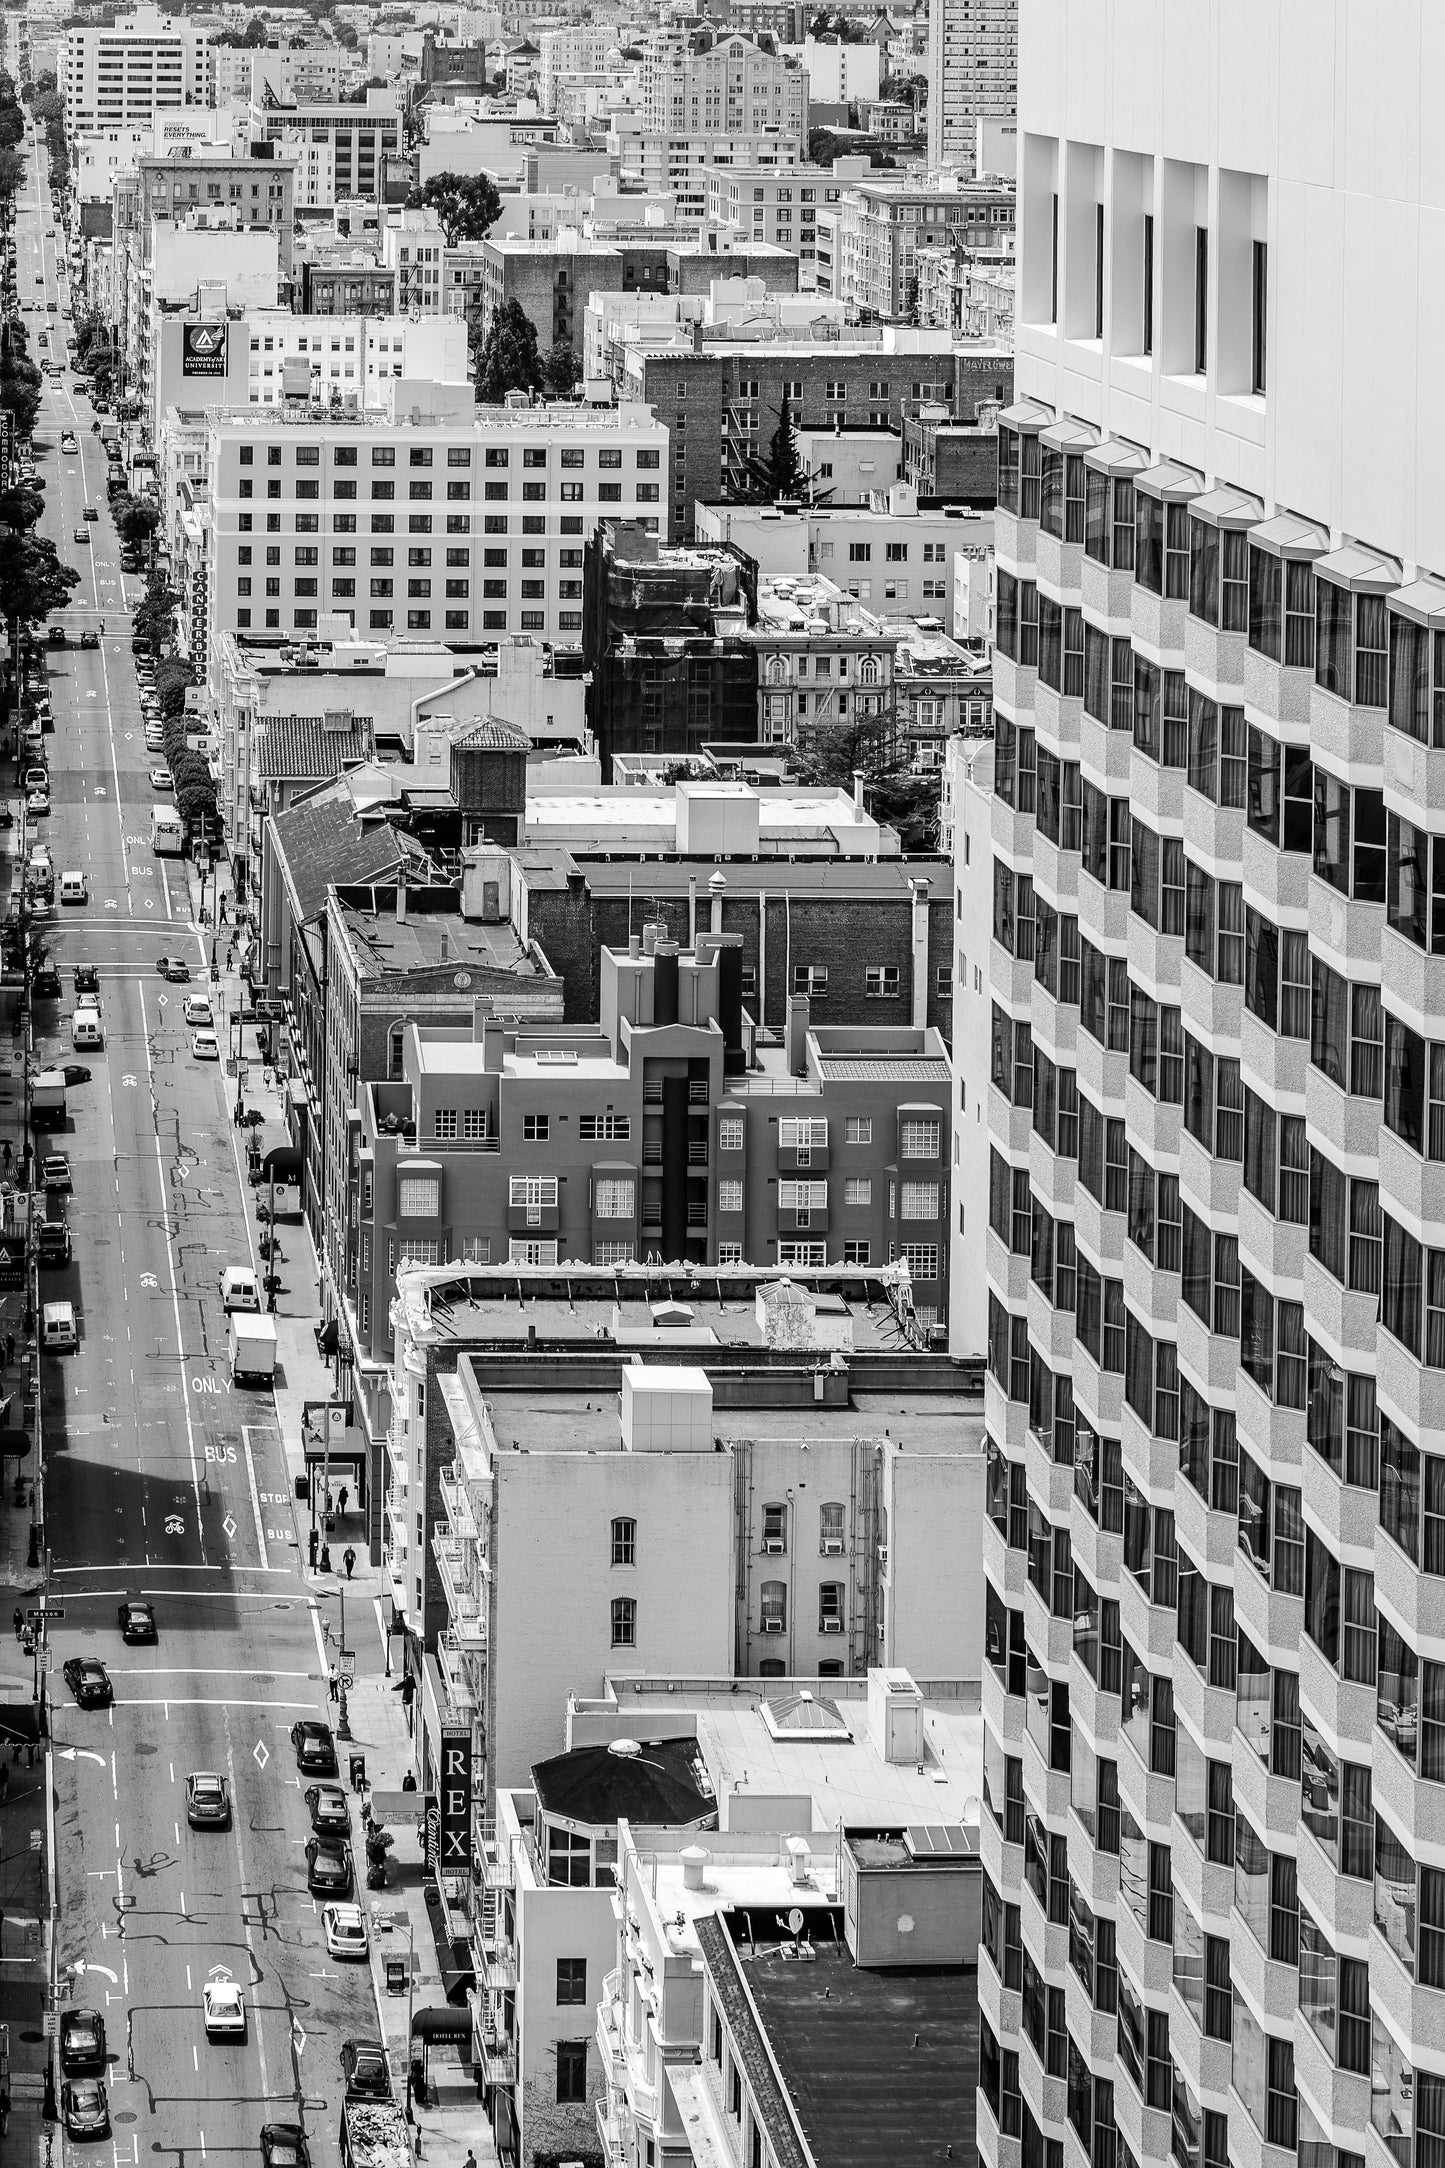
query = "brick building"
{"x": 948, "y": 461}
{"x": 352, "y": 286}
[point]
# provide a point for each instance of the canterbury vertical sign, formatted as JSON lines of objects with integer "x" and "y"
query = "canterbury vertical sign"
{"x": 203, "y": 350}
{"x": 456, "y": 1799}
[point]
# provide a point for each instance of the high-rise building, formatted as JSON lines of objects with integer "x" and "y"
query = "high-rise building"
{"x": 973, "y": 53}
{"x": 123, "y": 74}
{"x": 1215, "y": 1100}
{"x": 698, "y": 80}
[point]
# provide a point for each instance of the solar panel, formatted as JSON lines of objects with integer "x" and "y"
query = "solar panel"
{"x": 937, "y": 1839}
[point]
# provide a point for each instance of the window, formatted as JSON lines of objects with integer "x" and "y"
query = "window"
{"x": 624, "y": 1542}
{"x": 624, "y": 1622}
{"x": 830, "y": 1607}
{"x": 534, "y": 1128}
{"x": 572, "y": 2059}
{"x": 919, "y": 1201}
{"x": 773, "y": 1612}
{"x": 831, "y": 1519}
{"x": 614, "y": 1198}
{"x": 918, "y": 1139}
{"x": 730, "y": 1133}
{"x": 881, "y": 982}
{"x": 571, "y": 1980}
{"x": 419, "y": 1197}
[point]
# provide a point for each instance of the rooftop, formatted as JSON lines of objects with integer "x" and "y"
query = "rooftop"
{"x": 876, "y": 2065}
{"x": 927, "y": 1425}
{"x": 481, "y": 421}
{"x": 388, "y": 945}
{"x": 664, "y": 1783}
{"x": 309, "y": 748}
{"x": 847, "y": 1778}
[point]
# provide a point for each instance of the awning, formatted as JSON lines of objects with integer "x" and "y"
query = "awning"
{"x": 16, "y": 1442}
{"x": 283, "y": 1163}
{"x": 390, "y": 1807}
{"x": 449, "y": 2022}
{"x": 20, "y": 1720}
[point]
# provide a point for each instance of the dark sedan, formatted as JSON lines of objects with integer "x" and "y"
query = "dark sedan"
{"x": 364, "y": 2067}
{"x": 330, "y": 1810}
{"x": 315, "y": 1747}
{"x": 137, "y": 1622}
{"x": 328, "y": 1868}
{"x": 82, "y": 2042}
{"x": 89, "y": 1681}
{"x": 87, "y": 979}
{"x": 283, "y": 2145}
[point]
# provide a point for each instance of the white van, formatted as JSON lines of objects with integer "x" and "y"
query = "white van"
{"x": 57, "y": 1327}
{"x": 73, "y": 888}
{"x": 85, "y": 1031}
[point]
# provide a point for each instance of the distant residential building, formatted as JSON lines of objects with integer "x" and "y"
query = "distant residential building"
{"x": 359, "y": 136}
{"x": 497, "y": 505}
{"x": 698, "y": 79}
{"x": 347, "y": 284}
{"x": 890, "y": 555}
{"x": 944, "y": 691}
{"x": 411, "y": 245}
{"x": 877, "y": 227}
{"x": 580, "y": 49}
{"x": 889, "y": 120}
{"x": 259, "y": 192}
{"x": 973, "y": 68}
{"x": 948, "y": 461}
{"x": 771, "y": 204}
{"x": 839, "y": 72}
{"x": 680, "y": 161}
{"x": 821, "y": 663}
{"x": 847, "y": 463}
{"x": 123, "y": 74}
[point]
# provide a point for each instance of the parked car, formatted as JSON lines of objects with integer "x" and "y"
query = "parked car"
{"x": 328, "y": 1868}
{"x": 283, "y": 2145}
{"x": 82, "y": 2042}
{"x": 85, "y": 2109}
{"x": 55, "y": 1171}
{"x": 365, "y": 2069}
{"x": 345, "y": 1930}
{"x": 315, "y": 1747}
{"x": 205, "y": 1046}
{"x": 173, "y": 967}
{"x": 330, "y": 1810}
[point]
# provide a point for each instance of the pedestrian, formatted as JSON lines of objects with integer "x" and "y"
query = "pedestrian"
{"x": 408, "y": 1782}
{"x": 19, "y": 1623}
{"x": 471, "y": 2159}
{"x": 311, "y": 1543}
{"x": 9, "y": 1349}
{"x": 348, "y": 1559}
{"x": 334, "y": 1683}
{"x": 4, "y": 1783}
{"x": 343, "y": 1496}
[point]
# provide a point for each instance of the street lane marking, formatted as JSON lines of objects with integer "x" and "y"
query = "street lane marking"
{"x": 188, "y": 1671}
{"x": 175, "y": 1298}
{"x": 194, "y": 1701}
{"x": 255, "y": 1494}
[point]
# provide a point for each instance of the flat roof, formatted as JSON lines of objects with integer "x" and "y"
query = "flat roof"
{"x": 839, "y": 879}
{"x": 433, "y": 938}
{"x": 849, "y": 1782}
{"x": 928, "y": 1424}
{"x": 877, "y": 2065}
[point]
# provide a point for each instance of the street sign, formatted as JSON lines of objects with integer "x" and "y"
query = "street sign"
{"x": 53, "y": 1610}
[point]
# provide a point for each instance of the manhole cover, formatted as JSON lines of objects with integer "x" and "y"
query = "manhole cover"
{"x": 142, "y": 1752}
{"x": 125, "y": 2115}
{"x": 30, "y": 2038}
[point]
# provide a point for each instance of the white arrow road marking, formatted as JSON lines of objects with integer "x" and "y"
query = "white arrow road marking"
{"x": 69, "y": 1753}
{"x": 89, "y": 1965}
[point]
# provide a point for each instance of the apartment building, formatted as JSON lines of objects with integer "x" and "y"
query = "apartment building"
{"x": 258, "y": 191}
{"x": 581, "y": 49}
{"x": 700, "y": 80}
{"x": 359, "y": 137}
{"x": 679, "y": 161}
{"x": 825, "y": 1529}
{"x": 124, "y": 74}
{"x": 820, "y": 664}
{"x": 896, "y": 560}
{"x": 500, "y": 503}
{"x": 720, "y": 402}
{"x": 776, "y": 206}
{"x": 867, "y": 245}
{"x": 347, "y": 282}
{"x": 1213, "y": 1548}
{"x": 701, "y": 1162}
{"x": 632, "y": 2065}
{"x": 412, "y": 247}
{"x": 267, "y": 357}
{"x": 973, "y": 72}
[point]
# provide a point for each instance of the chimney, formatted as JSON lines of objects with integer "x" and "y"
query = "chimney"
{"x": 694, "y": 1866}
{"x": 634, "y": 944}
{"x": 717, "y": 889}
{"x": 401, "y": 903}
{"x": 649, "y": 937}
{"x": 692, "y": 910}
{"x": 918, "y": 890}
{"x": 858, "y": 788}
{"x": 798, "y": 1007}
{"x": 493, "y": 1045}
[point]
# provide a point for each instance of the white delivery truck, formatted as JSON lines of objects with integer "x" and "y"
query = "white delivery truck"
{"x": 47, "y": 1099}
{"x": 253, "y": 1348}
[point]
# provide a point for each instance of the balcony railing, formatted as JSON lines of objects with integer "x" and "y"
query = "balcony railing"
{"x": 613, "y": 2151}
{"x": 495, "y": 1860}
{"x": 433, "y": 1146}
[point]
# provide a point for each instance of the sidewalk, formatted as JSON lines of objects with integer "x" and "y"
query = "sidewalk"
{"x": 453, "y": 2122}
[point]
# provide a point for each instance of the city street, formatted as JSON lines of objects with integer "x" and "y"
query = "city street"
{"x": 160, "y": 1480}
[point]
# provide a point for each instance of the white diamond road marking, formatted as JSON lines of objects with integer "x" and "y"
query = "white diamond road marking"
{"x": 261, "y": 1757}
{"x": 298, "y": 2035}
{"x": 228, "y": 1527}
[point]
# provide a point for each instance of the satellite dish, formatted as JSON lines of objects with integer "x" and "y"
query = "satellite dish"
{"x": 971, "y": 1808}
{"x": 795, "y": 1921}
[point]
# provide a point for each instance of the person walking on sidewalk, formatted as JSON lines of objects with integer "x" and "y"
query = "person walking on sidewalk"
{"x": 333, "y": 1683}
{"x": 348, "y": 1559}
{"x": 342, "y": 1495}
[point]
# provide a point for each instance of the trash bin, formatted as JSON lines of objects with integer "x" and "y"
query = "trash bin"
{"x": 303, "y": 1488}
{"x": 396, "y": 1976}
{"x": 358, "y": 1772}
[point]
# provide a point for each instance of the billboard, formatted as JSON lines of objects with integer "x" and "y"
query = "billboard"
{"x": 203, "y": 350}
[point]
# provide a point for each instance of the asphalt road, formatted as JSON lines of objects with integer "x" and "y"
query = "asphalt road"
{"x": 160, "y": 1479}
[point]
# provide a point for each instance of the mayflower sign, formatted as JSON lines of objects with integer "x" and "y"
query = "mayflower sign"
{"x": 203, "y": 350}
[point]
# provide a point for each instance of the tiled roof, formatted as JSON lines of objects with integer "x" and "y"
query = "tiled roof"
{"x": 300, "y": 748}
{"x": 491, "y": 735}
{"x": 882, "y": 1069}
{"x": 324, "y": 842}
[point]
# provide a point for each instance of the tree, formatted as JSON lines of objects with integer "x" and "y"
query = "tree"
{"x": 896, "y": 796}
{"x": 154, "y": 620}
{"x": 136, "y": 518}
{"x": 19, "y": 380}
{"x": 467, "y": 204}
{"x": 172, "y": 679}
{"x": 33, "y": 581}
{"x": 782, "y": 474}
{"x": 561, "y": 371}
{"x": 507, "y": 357}
{"x": 255, "y": 32}
{"x": 12, "y": 174}
{"x": 48, "y": 105}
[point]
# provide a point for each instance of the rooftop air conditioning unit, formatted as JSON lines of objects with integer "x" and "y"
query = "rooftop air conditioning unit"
{"x": 882, "y": 1558}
